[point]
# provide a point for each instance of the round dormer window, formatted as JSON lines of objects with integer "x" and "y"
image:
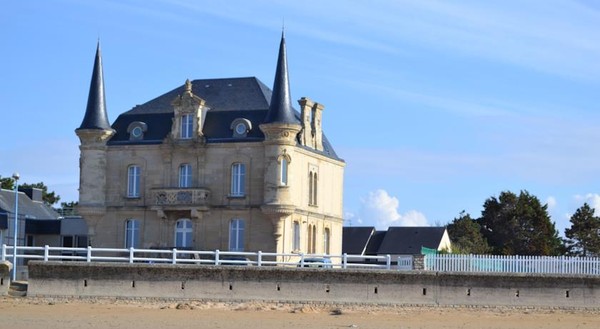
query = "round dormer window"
{"x": 240, "y": 128}
{"x": 137, "y": 132}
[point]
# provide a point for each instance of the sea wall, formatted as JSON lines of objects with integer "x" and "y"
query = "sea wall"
{"x": 306, "y": 285}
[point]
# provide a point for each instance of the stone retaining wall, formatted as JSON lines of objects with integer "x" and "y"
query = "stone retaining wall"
{"x": 280, "y": 284}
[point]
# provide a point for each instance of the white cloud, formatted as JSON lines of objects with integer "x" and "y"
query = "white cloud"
{"x": 551, "y": 202}
{"x": 593, "y": 199}
{"x": 381, "y": 210}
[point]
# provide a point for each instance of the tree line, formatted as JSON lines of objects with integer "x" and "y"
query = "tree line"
{"x": 50, "y": 198}
{"x": 512, "y": 224}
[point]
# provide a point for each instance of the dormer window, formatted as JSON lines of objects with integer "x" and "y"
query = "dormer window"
{"x": 136, "y": 130}
{"x": 240, "y": 127}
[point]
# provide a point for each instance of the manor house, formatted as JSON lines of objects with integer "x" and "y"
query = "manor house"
{"x": 224, "y": 164}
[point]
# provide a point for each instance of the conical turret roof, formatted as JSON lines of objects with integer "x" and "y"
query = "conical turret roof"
{"x": 95, "y": 113}
{"x": 280, "y": 109}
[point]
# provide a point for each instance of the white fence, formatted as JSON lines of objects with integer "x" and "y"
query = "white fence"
{"x": 217, "y": 257}
{"x": 433, "y": 262}
{"x": 512, "y": 264}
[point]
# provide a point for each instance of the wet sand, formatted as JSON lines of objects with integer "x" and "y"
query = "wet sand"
{"x": 16, "y": 313}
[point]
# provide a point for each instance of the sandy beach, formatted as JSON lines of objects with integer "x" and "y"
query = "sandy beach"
{"x": 31, "y": 313}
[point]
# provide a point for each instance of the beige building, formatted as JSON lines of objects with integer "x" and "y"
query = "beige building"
{"x": 222, "y": 164}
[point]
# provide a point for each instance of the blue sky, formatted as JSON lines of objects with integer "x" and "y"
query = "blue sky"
{"x": 434, "y": 105}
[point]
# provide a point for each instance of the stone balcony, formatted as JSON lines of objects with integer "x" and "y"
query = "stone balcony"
{"x": 172, "y": 198}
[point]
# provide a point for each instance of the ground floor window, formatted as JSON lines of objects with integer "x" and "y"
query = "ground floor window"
{"x": 132, "y": 234}
{"x": 236, "y": 235}
{"x": 183, "y": 233}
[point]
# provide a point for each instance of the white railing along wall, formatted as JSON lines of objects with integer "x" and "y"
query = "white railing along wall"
{"x": 432, "y": 262}
{"x": 512, "y": 264}
{"x": 217, "y": 257}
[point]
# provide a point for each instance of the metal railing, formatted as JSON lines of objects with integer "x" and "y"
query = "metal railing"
{"x": 512, "y": 264}
{"x": 217, "y": 257}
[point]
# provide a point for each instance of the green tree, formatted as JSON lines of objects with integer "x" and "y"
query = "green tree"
{"x": 466, "y": 236}
{"x": 50, "y": 198}
{"x": 583, "y": 238}
{"x": 519, "y": 225}
{"x": 7, "y": 183}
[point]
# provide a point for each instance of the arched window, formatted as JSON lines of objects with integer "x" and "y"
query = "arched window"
{"x": 236, "y": 235}
{"x": 133, "y": 181}
{"x": 183, "y": 233}
{"x": 326, "y": 239}
{"x": 132, "y": 233}
{"x": 238, "y": 179}
{"x": 186, "y": 127}
{"x": 185, "y": 175}
{"x": 296, "y": 241}
{"x": 312, "y": 187}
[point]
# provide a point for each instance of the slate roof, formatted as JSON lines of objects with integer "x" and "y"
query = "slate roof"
{"x": 409, "y": 240}
{"x": 226, "y": 98}
{"x": 95, "y": 114}
{"x": 27, "y": 207}
{"x": 355, "y": 239}
{"x": 280, "y": 109}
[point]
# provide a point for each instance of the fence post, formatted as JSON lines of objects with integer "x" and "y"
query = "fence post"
{"x": 88, "y": 257}
{"x": 174, "y": 258}
{"x": 388, "y": 261}
{"x": 259, "y": 260}
{"x": 217, "y": 257}
{"x": 46, "y": 252}
{"x": 130, "y": 255}
{"x": 345, "y": 261}
{"x": 301, "y": 259}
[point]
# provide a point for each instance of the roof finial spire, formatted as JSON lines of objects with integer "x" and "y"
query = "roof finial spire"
{"x": 280, "y": 109}
{"x": 95, "y": 113}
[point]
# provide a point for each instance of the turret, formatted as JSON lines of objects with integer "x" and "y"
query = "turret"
{"x": 93, "y": 133}
{"x": 281, "y": 128}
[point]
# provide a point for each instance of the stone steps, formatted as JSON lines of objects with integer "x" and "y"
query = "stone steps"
{"x": 18, "y": 289}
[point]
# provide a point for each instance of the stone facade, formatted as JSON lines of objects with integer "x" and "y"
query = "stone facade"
{"x": 277, "y": 191}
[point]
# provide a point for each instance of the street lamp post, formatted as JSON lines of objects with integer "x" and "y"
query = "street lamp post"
{"x": 15, "y": 176}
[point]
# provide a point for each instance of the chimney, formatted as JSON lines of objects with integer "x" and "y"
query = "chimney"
{"x": 317, "y": 113}
{"x": 35, "y": 194}
{"x": 306, "y": 137}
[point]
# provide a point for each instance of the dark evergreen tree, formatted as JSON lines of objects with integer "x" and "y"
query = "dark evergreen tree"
{"x": 583, "y": 237}
{"x": 519, "y": 225}
{"x": 466, "y": 237}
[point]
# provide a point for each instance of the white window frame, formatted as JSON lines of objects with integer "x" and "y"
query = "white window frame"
{"x": 132, "y": 233}
{"x": 133, "y": 181}
{"x": 238, "y": 179}
{"x": 185, "y": 175}
{"x": 186, "y": 128}
{"x": 184, "y": 235}
{"x": 237, "y": 227}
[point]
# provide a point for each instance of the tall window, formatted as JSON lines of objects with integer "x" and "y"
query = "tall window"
{"x": 183, "y": 233}
{"x": 312, "y": 188}
{"x": 187, "y": 126}
{"x": 133, "y": 181}
{"x": 296, "y": 241}
{"x": 132, "y": 233}
{"x": 284, "y": 172}
{"x": 185, "y": 175}
{"x": 236, "y": 235}
{"x": 314, "y": 239}
{"x": 326, "y": 243}
{"x": 238, "y": 179}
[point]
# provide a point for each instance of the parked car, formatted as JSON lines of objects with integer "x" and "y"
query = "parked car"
{"x": 316, "y": 262}
{"x": 235, "y": 260}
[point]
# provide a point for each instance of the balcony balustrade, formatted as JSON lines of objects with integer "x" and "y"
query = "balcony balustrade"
{"x": 194, "y": 197}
